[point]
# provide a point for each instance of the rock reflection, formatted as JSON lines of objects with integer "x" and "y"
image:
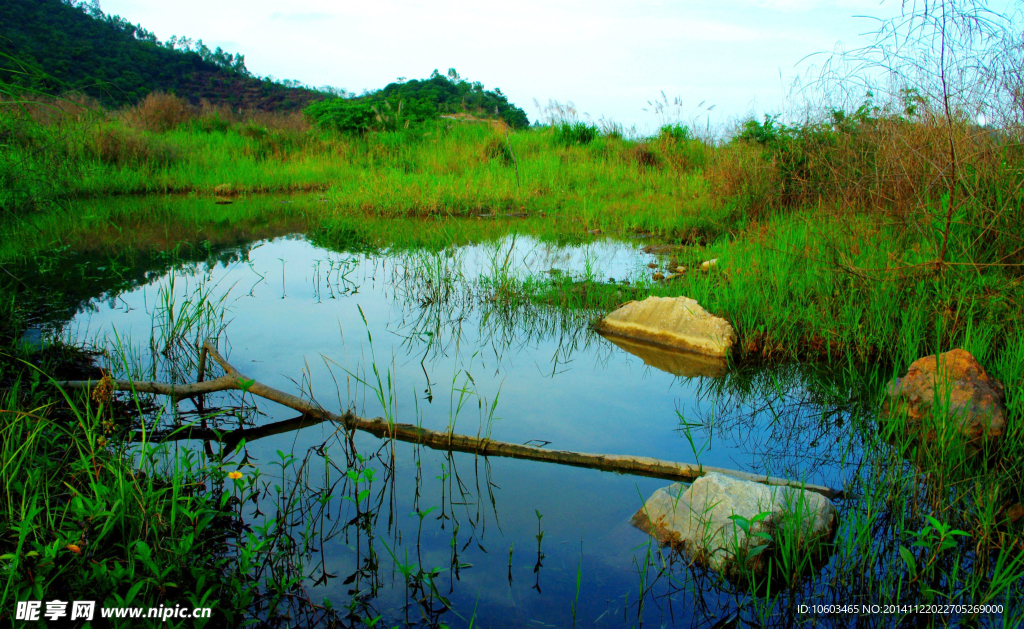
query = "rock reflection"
{"x": 676, "y": 362}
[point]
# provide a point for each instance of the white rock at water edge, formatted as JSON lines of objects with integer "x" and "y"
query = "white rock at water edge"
{"x": 697, "y": 521}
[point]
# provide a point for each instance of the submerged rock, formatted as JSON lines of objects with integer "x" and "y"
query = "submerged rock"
{"x": 735, "y": 527}
{"x": 674, "y": 361}
{"x": 677, "y": 322}
{"x": 953, "y": 389}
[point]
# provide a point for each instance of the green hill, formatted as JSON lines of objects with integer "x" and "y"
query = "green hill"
{"x": 415, "y": 101}
{"x": 55, "y": 46}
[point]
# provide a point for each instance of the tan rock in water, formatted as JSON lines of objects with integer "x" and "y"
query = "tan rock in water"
{"x": 722, "y": 522}
{"x": 953, "y": 389}
{"x": 677, "y": 322}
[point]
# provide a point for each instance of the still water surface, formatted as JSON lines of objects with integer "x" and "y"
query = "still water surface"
{"x": 416, "y": 335}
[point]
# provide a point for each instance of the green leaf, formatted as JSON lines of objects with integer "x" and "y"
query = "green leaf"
{"x": 133, "y": 592}
{"x": 741, "y": 522}
{"x": 142, "y": 549}
{"x": 908, "y": 558}
{"x": 754, "y": 552}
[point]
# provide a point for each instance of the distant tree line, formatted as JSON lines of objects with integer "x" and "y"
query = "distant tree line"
{"x": 220, "y": 58}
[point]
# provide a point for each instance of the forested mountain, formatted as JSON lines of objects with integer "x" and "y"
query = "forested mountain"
{"x": 62, "y": 45}
{"x": 57, "y": 46}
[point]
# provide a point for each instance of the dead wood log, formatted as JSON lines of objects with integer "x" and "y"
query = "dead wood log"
{"x": 438, "y": 440}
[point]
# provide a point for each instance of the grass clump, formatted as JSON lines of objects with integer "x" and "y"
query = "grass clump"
{"x": 574, "y": 133}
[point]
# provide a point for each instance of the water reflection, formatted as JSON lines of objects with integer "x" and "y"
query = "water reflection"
{"x": 676, "y": 362}
{"x": 412, "y": 535}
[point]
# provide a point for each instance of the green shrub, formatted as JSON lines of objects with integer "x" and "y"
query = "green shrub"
{"x": 342, "y": 114}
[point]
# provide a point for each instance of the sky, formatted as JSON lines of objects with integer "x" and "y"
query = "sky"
{"x": 724, "y": 60}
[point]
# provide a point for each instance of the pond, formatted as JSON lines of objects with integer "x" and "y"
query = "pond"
{"x": 420, "y": 336}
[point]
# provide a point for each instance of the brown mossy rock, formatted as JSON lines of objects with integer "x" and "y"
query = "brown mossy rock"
{"x": 677, "y": 322}
{"x": 950, "y": 390}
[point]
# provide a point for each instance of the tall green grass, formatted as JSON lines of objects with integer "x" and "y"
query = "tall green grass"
{"x": 91, "y": 509}
{"x": 443, "y": 168}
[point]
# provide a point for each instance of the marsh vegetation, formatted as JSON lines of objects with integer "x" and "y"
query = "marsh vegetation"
{"x": 445, "y": 272}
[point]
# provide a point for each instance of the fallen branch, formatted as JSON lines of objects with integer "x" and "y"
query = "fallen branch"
{"x": 639, "y": 465}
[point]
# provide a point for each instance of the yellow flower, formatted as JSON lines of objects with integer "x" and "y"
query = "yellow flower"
{"x": 234, "y": 475}
{"x": 103, "y": 393}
